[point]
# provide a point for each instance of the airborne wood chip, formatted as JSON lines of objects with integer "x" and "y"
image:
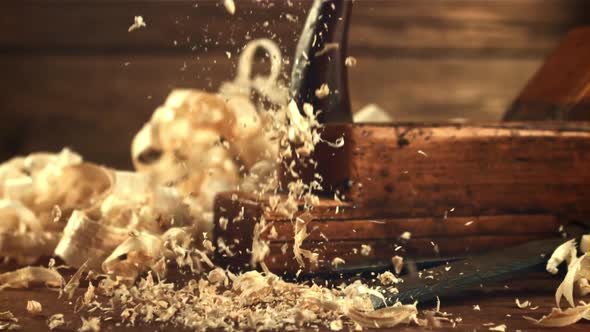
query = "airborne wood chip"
{"x": 138, "y": 22}
{"x": 398, "y": 264}
{"x": 230, "y": 6}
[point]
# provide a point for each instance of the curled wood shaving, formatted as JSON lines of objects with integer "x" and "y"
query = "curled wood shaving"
{"x": 27, "y": 276}
{"x": 55, "y": 321}
{"x": 8, "y": 321}
{"x": 260, "y": 248}
{"x": 350, "y": 61}
{"x": 337, "y": 261}
{"x": 87, "y": 240}
{"x": 300, "y": 229}
{"x": 522, "y": 305}
{"x": 366, "y": 249}
{"x": 34, "y": 307}
{"x": 133, "y": 256}
{"x": 91, "y": 324}
{"x": 138, "y": 22}
{"x": 71, "y": 286}
{"x": 398, "y": 264}
{"x": 562, "y": 253}
{"x": 577, "y": 269}
{"x": 323, "y": 91}
{"x": 327, "y": 48}
{"x": 559, "y": 318}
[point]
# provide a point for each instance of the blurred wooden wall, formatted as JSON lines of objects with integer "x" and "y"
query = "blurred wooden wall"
{"x": 73, "y": 76}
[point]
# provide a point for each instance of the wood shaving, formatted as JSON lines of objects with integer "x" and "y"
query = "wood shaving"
{"x": 56, "y": 213}
{"x": 8, "y": 321}
{"x": 398, "y": 263}
{"x": 300, "y": 229}
{"x": 336, "y": 325}
{"x": 388, "y": 278}
{"x": 260, "y": 247}
{"x": 327, "y": 48}
{"x": 522, "y": 305}
{"x": 578, "y": 268}
{"x": 476, "y": 307}
{"x": 350, "y": 61}
{"x": 55, "y": 321}
{"x": 138, "y": 23}
{"x": 27, "y": 276}
{"x": 323, "y": 91}
{"x": 337, "y": 261}
{"x": 562, "y": 253}
{"x": 406, "y": 236}
{"x": 91, "y": 324}
{"x": 133, "y": 256}
{"x": 71, "y": 286}
{"x": 34, "y": 307}
{"x": 230, "y": 6}
{"x": 559, "y": 318}
{"x": 217, "y": 276}
{"x": 578, "y": 271}
{"x": 498, "y": 328}
{"x": 366, "y": 249}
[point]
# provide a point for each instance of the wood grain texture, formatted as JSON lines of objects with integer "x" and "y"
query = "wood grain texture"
{"x": 343, "y": 233}
{"x": 560, "y": 90}
{"x": 422, "y": 170}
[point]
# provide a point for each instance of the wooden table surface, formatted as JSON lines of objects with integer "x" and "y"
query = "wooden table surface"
{"x": 497, "y": 303}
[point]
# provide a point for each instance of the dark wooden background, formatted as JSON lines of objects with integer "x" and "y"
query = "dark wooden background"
{"x": 73, "y": 76}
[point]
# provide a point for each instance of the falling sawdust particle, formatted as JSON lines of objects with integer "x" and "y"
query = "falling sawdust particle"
{"x": 138, "y": 23}
{"x": 230, "y": 6}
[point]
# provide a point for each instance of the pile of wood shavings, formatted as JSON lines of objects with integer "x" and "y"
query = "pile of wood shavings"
{"x": 135, "y": 223}
{"x": 252, "y": 300}
{"x": 574, "y": 282}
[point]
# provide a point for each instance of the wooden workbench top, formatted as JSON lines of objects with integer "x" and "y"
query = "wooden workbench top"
{"x": 497, "y": 303}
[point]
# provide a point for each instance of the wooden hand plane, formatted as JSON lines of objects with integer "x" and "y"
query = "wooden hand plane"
{"x": 421, "y": 191}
